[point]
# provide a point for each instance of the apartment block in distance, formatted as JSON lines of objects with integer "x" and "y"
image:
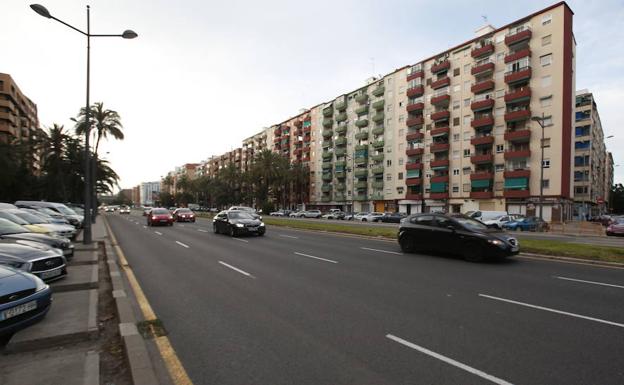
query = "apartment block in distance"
{"x": 592, "y": 164}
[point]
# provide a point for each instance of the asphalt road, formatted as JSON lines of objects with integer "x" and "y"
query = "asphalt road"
{"x": 297, "y": 307}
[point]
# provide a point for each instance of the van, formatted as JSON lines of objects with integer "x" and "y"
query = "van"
{"x": 484, "y": 216}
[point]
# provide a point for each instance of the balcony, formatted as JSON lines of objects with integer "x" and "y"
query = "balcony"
{"x": 439, "y": 147}
{"x": 361, "y": 160}
{"x": 413, "y": 166}
{"x": 518, "y": 135}
{"x": 341, "y": 141}
{"x": 277, "y": 139}
{"x": 341, "y": 117}
{"x": 305, "y": 159}
{"x": 378, "y": 144}
{"x": 415, "y": 91}
{"x": 416, "y": 75}
{"x": 362, "y": 135}
{"x": 516, "y": 193}
{"x": 327, "y": 177}
{"x": 378, "y": 185}
{"x": 520, "y": 75}
{"x": 440, "y": 67}
{"x": 339, "y": 197}
{"x": 414, "y": 151}
{"x": 440, "y": 131}
{"x": 379, "y": 91}
{"x": 440, "y": 115}
{"x": 378, "y": 117}
{"x": 363, "y": 174}
{"x": 341, "y": 163}
{"x": 326, "y": 198}
{"x": 481, "y": 194}
{"x": 517, "y": 55}
{"x": 361, "y": 110}
{"x": 484, "y": 50}
{"x": 515, "y": 116}
{"x": 360, "y": 197}
{"x": 327, "y": 112}
{"x": 340, "y": 152}
{"x": 441, "y": 100}
{"x": 516, "y": 37}
{"x": 482, "y": 86}
{"x": 521, "y": 94}
{"x": 327, "y": 133}
{"x": 482, "y": 158}
{"x": 378, "y": 131}
{"x": 526, "y": 173}
{"x": 340, "y": 104}
{"x": 328, "y": 123}
{"x": 412, "y": 181}
{"x": 327, "y": 165}
{"x": 439, "y": 163}
{"x": 361, "y": 123}
{"x": 298, "y": 151}
{"x": 513, "y": 154}
{"x": 439, "y": 195}
{"x": 414, "y": 136}
{"x": 379, "y": 105}
{"x": 377, "y": 170}
{"x": 340, "y": 175}
{"x": 441, "y": 178}
{"x": 482, "y": 140}
{"x": 361, "y": 147}
{"x": 378, "y": 157}
{"x": 480, "y": 105}
{"x": 418, "y": 106}
{"x": 481, "y": 175}
{"x": 361, "y": 184}
{"x": 277, "y": 132}
{"x": 415, "y": 121}
{"x": 482, "y": 68}
{"x": 483, "y": 121}
{"x": 327, "y": 143}
{"x": 414, "y": 197}
{"x": 341, "y": 130}
{"x": 361, "y": 98}
{"x": 326, "y": 188}
{"x": 443, "y": 82}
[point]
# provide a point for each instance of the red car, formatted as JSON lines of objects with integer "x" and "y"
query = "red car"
{"x": 159, "y": 216}
{"x": 184, "y": 215}
{"x": 616, "y": 227}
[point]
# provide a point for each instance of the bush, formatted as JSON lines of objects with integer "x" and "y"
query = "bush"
{"x": 267, "y": 207}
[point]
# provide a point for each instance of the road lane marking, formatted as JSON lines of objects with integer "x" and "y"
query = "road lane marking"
{"x": 448, "y": 360}
{"x": 288, "y": 236}
{"x": 319, "y": 258}
{"x": 182, "y": 244}
{"x": 241, "y": 240}
{"x": 202, "y": 230}
{"x": 181, "y": 225}
{"x": 553, "y": 310}
{"x": 381, "y": 251}
{"x": 243, "y": 272}
{"x": 592, "y": 282}
{"x": 158, "y": 232}
{"x": 145, "y": 227}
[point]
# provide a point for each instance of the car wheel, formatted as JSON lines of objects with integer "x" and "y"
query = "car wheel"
{"x": 261, "y": 234}
{"x": 473, "y": 253}
{"x": 363, "y": 219}
{"x": 232, "y": 232}
{"x": 407, "y": 244}
{"x": 521, "y": 228}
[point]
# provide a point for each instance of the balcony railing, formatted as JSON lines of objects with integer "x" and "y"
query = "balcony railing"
{"x": 517, "y": 55}
{"x": 481, "y": 194}
{"x": 440, "y": 66}
{"x": 525, "y": 173}
{"x": 518, "y": 135}
{"x": 520, "y": 94}
{"x": 442, "y": 99}
{"x": 518, "y": 75}
{"x": 482, "y": 158}
{"x": 414, "y": 151}
{"x": 439, "y": 178}
{"x": 439, "y": 131}
{"x": 517, "y": 153}
{"x": 482, "y": 140}
{"x": 417, "y": 106}
{"x": 480, "y": 104}
{"x": 482, "y": 121}
{"x": 481, "y": 175}
{"x": 443, "y": 82}
{"x": 482, "y": 66}
{"x": 482, "y": 86}
{"x": 439, "y": 147}
{"x": 415, "y": 91}
{"x": 482, "y": 49}
{"x": 439, "y": 163}
{"x": 516, "y": 114}
{"x": 441, "y": 115}
{"x": 518, "y": 35}
{"x": 414, "y": 136}
{"x": 413, "y": 166}
{"x": 413, "y": 181}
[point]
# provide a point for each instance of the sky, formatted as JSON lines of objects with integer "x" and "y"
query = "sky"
{"x": 203, "y": 75}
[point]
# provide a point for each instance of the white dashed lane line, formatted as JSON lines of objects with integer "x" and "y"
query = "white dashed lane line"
{"x": 243, "y": 272}
{"x": 381, "y": 251}
{"x": 158, "y": 232}
{"x": 590, "y": 282}
{"x": 202, "y": 230}
{"x": 241, "y": 240}
{"x": 319, "y": 258}
{"x": 182, "y": 244}
{"x": 288, "y": 236}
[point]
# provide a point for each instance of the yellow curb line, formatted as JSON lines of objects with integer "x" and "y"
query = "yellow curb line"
{"x": 174, "y": 366}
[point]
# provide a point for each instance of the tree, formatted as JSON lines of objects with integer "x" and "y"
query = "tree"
{"x": 617, "y": 199}
{"x": 104, "y": 122}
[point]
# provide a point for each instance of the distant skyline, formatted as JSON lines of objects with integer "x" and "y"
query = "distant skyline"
{"x": 204, "y": 75}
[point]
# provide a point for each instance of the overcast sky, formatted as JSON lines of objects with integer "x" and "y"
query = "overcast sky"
{"x": 203, "y": 75}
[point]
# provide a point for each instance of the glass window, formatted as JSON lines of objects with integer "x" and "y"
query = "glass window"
{"x": 500, "y": 93}
{"x": 455, "y": 137}
{"x": 455, "y": 171}
{"x": 500, "y": 148}
{"x": 546, "y": 40}
{"x": 400, "y": 161}
{"x": 499, "y": 167}
{"x": 423, "y": 220}
{"x": 546, "y": 183}
{"x": 546, "y": 163}
{"x": 466, "y": 170}
{"x": 546, "y": 81}
{"x": 455, "y": 154}
{"x": 455, "y": 188}
{"x": 466, "y": 153}
{"x": 400, "y": 177}
{"x": 546, "y": 101}
{"x": 546, "y": 60}
{"x": 466, "y": 187}
{"x": 547, "y": 19}
{"x": 466, "y": 102}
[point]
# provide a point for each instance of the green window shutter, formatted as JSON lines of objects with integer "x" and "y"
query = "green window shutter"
{"x": 439, "y": 168}
{"x": 516, "y": 183}
{"x": 439, "y": 187}
{"x": 413, "y": 174}
{"x": 482, "y": 183}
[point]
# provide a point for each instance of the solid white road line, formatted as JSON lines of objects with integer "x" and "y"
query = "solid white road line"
{"x": 448, "y": 360}
{"x": 382, "y": 251}
{"x": 237, "y": 269}
{"x": 319, "y": 258}
{"x": 182, "y": 244}
{"x": 288, "y": 236}
{"x": 202, "y": 230}
{"x": 553, "y": 310}
{"x": 592, "y": 282}
{"x": 241, "y": 240}
{"x": 158, "y": 232}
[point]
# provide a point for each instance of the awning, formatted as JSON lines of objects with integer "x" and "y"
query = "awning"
{"x": 516, "y": 183}
{"x": 413, "y": 174}
{"x": 439, "y": 168}
{"x": 438, "y": 187}
{"x": 481, "y": 183}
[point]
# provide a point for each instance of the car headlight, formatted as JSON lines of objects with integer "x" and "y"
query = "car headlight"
{"x": 240, "y": 225}
{"x": 496, "y": 242}
{"x": 261, "y": 224}
{"x": 40, "y": 285}
{"x": 14, "y": 264}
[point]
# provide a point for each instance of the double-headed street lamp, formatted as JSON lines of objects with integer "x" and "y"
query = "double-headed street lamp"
{"x": 89, "y": 184}
{"x": 540, "y": 121}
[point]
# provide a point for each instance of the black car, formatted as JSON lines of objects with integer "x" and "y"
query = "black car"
{"x": 37, "y": 259}
{"x": 237, "y": 223}
{"x": 455, "y": 234}
{"x": 10, "y": 230}
{"x": 392, "y": 217}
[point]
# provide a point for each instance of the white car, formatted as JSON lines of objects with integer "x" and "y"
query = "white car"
{"x": 501, "y": 220}
{"x": 124, "y": 210}
{"x": 359, "y": 216}
{"x": 312, "y": 214}
{"x": 372, "y": 217}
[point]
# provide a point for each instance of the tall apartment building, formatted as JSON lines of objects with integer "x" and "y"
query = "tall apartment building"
{"x": 149, "y": 192}
{"x": 591, "y": 161}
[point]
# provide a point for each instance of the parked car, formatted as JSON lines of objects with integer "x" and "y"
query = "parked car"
{"x": 455, "y": 234}
{"x": 7, "y": 206}
{"x": 485, "y": 215}
{"x": 616, "y": 227}
{"x": 26, "y": 300}
{"x": 280, "y": 213}
{"x": 393, "y": 217}
{"x": 334, "y": 214}
{"x": 71, "y": 216}
{"x": 32, "y": 257}
{"x": 312, "y": 214}
{"x": 184, "y": 215}
{"x": 296, "y": 214}
{"x": 235, "y": 223}
{"x": 373, "y": 217}
{"x": 54, "y": 229}
{"x": 526, "y": 224}
{"x": 124, "y": 210}
{"x": 246, "y": 209}
{"x": 359, "y": 216}
{"x": 146, "y": 211}
{"x": 159, "y": 216}
{"x": 499, "y": 221}
{"x": 349, "y": 216}
{"x": 48, "y": 215}
{"x": 9, "y": 230}
{"x": 5, "y": 214}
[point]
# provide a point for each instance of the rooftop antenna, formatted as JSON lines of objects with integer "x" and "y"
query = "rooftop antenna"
{"x": 485, "y": 19}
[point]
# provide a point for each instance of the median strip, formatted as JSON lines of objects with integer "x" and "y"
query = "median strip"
{"x": 182, "y": 244}
{"x": 243, "y": 272}
{"x": 448, "y": 360}
{"x": 553, "y": 310}
{"x": 591, "y": 282}
{"x": 319, "y": 258}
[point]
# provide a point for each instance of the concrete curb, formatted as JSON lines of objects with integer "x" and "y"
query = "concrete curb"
{"x": 141, "y": 368}
{"x": 92, "y": 368}
{"x": 575, "y": 260}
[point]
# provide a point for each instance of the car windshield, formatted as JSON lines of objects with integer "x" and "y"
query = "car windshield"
{"x": 13, "y": 218}
{"x": 471, "y": 224}
{"x": 48, "y": 211}
{"x": 239, "y": 215}
{"x": 65, "y": 210}
{"x": 30, "y": 218}
{"x": 160, "y": 212}
{"x": 8, "y": 227}
{"x": 184, "y": 211}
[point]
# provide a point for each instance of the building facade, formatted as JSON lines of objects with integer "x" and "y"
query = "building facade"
{"x": 149, "y": 193}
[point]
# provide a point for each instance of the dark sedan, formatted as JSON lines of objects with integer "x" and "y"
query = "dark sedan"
{"x": 34, "y": 258}
{"x": 237, "y": 223}
{"x": 9, "y": 230}
{"x": 392, "y": 217}
{"x": 24, "y": 300}
{"x": 183, "y": 215}
{"x": 159, "y": 216}
{"x": 455, "y": 234}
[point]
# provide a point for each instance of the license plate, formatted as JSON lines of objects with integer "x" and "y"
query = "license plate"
{"x": 17, "y": 310}
{"x": 50, "y": 274}
{"x": 163, "y": 220}
{"x": 252, "y": 229}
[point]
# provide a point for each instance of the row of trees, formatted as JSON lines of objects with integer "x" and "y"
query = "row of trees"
{"x": 60, "y": 155}
{"x": 272, "y": 181}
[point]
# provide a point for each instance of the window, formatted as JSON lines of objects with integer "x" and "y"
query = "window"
{"x": 428, "y": 175}
{"x": 548, "y": 121}
{"x": 547, "y": 19}
{"x": 388, "y": 177}
{"x": 400, "y": 147}
{"x": 546, "y": 60}
{"x": 467, "y": 85}
{"x": 546, "y": 40}
{"x": 455, "y": 171}
{"x": 401, "y": 103}
{"x": 466, "y": 187}
{"x": 457, "y": 88}
{"x": 400, "y": 177}
{"x": 401, "y": 131}
{"x": 455, "y": 188}
{"x": 546, "y": 101}
{"x": 466, "y": 170}
{"x": 423, "y": 220}
{"x": 455, "y": 121}
{"x": 389, "y": 162}
{"x": 582, "y": 131}
{"x": 466, "y": 102}
{"x": 456, "y": 154}
{"x": 582, "y": 145}
{"x": 545, "y": 183}
{"x": 546, "y": 163}
{"x": 467, "y": 68}
{"x": 466, "y": 153}
{"x": 499, "y": 168}
{"x": 467, "y": 133}
{"x": 500, "y": 148}
{"x": 456, "y": 136}
{"x": 546, "y": 81}
{"x": 456, "y": 72}
{"x": 466, "y": 120}
{"x": 456, "y": 105}
{"x": 400, "y": 161}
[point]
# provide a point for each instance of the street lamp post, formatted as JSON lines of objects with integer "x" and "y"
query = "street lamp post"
{"x": 127, "y": 34}
{"x": 540, "y": 121}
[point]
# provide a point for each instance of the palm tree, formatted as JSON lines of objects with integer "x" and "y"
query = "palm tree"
{"x": 105, "y": 122}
